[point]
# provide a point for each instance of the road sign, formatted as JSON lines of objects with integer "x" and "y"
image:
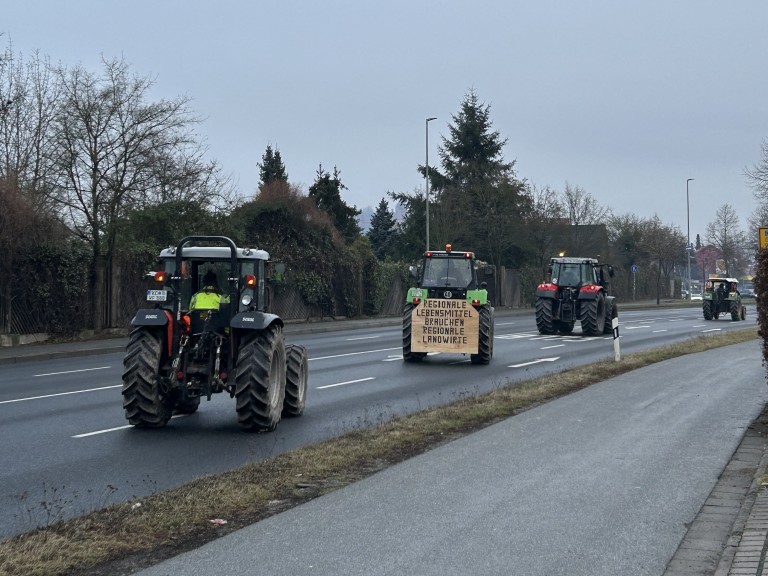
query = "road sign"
{"x": 763, "y": 238}
{"x": 634, "y": 269}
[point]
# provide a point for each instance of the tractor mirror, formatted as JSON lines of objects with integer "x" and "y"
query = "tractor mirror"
{"x": 610, "y": 271}
{"x": 483, "y": 285}
{"x": 413, "y": 271}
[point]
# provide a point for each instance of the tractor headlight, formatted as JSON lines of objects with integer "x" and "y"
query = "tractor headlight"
{"x": 246, "y": 300}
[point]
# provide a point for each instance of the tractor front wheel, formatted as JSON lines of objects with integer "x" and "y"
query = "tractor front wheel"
{"x": 707, "y": 308}
{"x": 545, "y": 317}
{"x": 485, "y": 337}
{"x": 260, "y": 379}
{"x": 296, "y": 373}
{"x": 144, "y": 404}
{"x": 735, "y": 312}
{"x": 409, "y": 356}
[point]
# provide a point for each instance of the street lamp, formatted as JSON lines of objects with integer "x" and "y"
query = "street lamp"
{"x": 426, "y": 174}
{"x": 688, "y": 246}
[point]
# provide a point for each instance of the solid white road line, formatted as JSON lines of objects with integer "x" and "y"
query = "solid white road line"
{"x": 59, "y": 394}
{"x": 344, "y": 383}
{"x": 71, "y": 371}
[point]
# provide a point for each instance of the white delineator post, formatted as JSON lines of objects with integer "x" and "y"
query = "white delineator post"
{"x": 616, "y": 347}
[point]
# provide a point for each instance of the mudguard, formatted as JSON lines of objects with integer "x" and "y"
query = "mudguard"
{"x": 254, "y": 320}
{"x": 150, "y": 317}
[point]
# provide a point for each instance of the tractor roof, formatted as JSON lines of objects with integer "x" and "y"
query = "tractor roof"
{"x": 222, "y": 253}
{"x": 573, "y": 260}
{"x": 721, "y": 279}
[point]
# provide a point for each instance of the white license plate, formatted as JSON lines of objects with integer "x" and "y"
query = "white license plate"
{"x": 157, "y": 295}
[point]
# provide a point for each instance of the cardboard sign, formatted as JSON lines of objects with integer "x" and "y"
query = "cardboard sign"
{"x": 445, "y": 326}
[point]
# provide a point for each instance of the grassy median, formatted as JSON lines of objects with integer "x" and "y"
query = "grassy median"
{"x": 123, "y": 538}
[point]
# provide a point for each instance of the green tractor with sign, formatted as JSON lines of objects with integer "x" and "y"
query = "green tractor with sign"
{"x": 449, "y": 310}
{"x": 722, "y": 296}
{"x": 206, "y": 330}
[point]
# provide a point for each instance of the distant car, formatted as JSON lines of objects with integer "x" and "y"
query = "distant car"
{"x": 748, "y": 293}
{"x": 696, "y": 296}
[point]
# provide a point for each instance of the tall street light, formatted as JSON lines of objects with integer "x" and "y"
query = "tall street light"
{"x": 426, "y": 175}
{"x": 688, "y": 246}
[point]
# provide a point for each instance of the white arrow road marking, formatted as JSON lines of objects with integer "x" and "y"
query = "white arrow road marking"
{"x": 344, "y": 383}
{"x": 534, "y": 362}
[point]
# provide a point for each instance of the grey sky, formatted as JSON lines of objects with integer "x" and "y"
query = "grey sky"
{"x": 624, "y": 99}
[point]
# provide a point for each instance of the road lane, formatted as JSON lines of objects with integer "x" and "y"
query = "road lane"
{"x": 72, "y": 437}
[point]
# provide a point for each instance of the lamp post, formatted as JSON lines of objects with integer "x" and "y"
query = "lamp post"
{"x": 688, "y": 246}
{"x": 426, "y": 173}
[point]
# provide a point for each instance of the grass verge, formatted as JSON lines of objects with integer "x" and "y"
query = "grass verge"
{"x": 121, "y": 539}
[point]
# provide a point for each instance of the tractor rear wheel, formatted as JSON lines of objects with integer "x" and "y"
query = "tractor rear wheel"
{"x": 707, "y": 308}
{"x": 144, "y": 404}
{"x": 409, "y": 356}
{"x": 485, "y": 337}
{"x": 611, "y": 312}
{"x": 593, "y": 315}
{"x": 296, "y": 371}
{"x": 260, "y": 379}
{"x": 545, "y": 318}
{"x": 735, "y": 312}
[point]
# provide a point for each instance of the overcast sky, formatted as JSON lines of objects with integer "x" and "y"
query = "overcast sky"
{"x": 626, "y": 100}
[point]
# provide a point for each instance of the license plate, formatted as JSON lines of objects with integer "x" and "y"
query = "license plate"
{"x": 157, "y": 295}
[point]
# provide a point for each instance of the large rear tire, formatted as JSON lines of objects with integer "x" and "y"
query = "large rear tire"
{"x": 260, "y": 379}
{"x": 545, "y": 319}
{"x": 409, "y": 356}
{"x": 144, "y": 404}
{"x": 485, "y": 337}
{"x": 735, "y": 312}
{"x": 707, "y": 309}
{"x": 611, "y": 312}
{"x": 296, "y": 373}
{"x": 593, "y": 315}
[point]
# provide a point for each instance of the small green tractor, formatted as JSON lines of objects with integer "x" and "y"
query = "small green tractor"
{"x": 177, "y": 355}
{"x": 449, "y": 310}
{"x": 722, "y": 296}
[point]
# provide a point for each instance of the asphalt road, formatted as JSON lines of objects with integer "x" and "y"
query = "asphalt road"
{"x": 68, "y": 448}
{"x": 601, "y": 482}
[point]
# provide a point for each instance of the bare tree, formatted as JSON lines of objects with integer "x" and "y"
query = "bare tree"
{"x": 546, "y": 225}
{"x": 666, "y": 249}
{"x": 757, "y": 176}
{"x": 107, "y": 139}
{"x": 582, "y": 210}
{"x": 726, "y": 235}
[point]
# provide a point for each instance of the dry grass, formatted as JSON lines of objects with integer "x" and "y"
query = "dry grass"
{"x": 122, "y": 538}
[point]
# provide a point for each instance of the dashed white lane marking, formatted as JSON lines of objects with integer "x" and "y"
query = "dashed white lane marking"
{"x": 344, "y": 383}
{"x": 70, "y": 371}
{"x": 59, "y": 394}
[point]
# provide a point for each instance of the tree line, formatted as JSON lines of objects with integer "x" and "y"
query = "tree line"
{"x": 94, "y": 174}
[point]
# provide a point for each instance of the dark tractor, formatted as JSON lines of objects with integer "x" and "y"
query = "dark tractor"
{"x": 461, "y": 319}
{"x": 176, "y": 356}
{"x": 577, "y": 291}
{"x": 722, "y": 296}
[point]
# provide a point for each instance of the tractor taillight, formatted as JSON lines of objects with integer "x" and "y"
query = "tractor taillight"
{"x": 223, "y": 376}
{"x": 160, "y": 276}
{"x": 416, "y": 301}
{"x": 428, "y": 254}
{"x": 250, "y": 280}
{"x": 179, "y": 375}
{"x": 467, "y": 254}
{"x": 476, "y": 303}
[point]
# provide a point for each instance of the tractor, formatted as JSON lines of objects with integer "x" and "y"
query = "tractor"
{"x": 577, "y": 290}
{"x": 722, "y": 296}
{"x": 226, "y": 343}
{"x": 449, "y": 310}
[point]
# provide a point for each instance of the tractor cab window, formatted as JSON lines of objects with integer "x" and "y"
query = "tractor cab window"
{"x": 566, "y": 274}
{"x": 447, "y": 272}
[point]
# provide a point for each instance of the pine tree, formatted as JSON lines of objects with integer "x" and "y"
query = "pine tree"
{"x": 383, "y": 230}
{"x": 479, "y": 198}
{"x": 271, "y": 168}
{"x": 326, "y": 192}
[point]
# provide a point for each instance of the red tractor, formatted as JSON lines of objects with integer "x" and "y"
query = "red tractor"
{"x": 577, "y": 290}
